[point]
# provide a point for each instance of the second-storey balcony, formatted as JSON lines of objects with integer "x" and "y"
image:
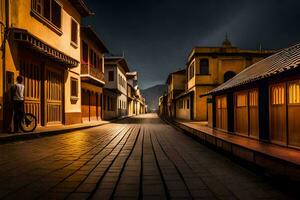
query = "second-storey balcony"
{"x": 92, "y": 74}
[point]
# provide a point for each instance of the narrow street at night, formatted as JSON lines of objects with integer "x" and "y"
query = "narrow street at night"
{"x": 135, "y": 158}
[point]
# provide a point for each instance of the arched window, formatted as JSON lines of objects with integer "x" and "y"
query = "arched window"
{"x": 228, "y": 75}
{"x": 204, "y": 67}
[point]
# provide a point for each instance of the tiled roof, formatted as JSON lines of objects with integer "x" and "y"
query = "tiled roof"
{"x": 282, "y": 61}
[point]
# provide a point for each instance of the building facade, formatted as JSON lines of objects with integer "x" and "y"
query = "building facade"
{"x": 262, "y": 102}
{"x": 132, "y": 78}
{"x": 175, "y": 86}
{"x": 92, "y": 75}
{"x": 43, "y": 46}
{"x": 115, "y": 90}
{"x": 208, "y": 67}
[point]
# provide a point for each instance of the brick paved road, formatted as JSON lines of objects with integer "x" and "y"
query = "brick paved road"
{"x": 136, "y": 158}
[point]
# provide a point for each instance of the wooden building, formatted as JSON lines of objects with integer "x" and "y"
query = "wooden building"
{"x": 175, "y": 86}
{"x": 132, "y": 78}
{"x": 163, "y": 106}
{"x": 207, "y": 68}
{"x": 92, "y": 74}
{"x": 44, "y": 47}
{"x": 115, "y": 90}
{"x": 263, "y": 101}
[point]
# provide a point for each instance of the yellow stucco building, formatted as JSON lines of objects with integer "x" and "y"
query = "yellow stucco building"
{"x": 43, "y": 45}
{"x": 175, "y": 86}
{"x": 208, "y": 67}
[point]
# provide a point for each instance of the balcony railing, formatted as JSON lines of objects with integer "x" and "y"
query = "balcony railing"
{"x": 96, "y": 73}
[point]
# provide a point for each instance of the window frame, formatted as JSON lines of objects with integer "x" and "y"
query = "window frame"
{"x": 73, "y": 43}
{"x": 48, "y": 22}
{"x": 72, "y": 80}
{"x": 288, "y": 93}
{"x": 201, "y": 67}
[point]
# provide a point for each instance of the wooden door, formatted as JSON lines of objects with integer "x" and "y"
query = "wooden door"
{"x": 241, "y": 113}
{"x": 93, "y": 108}
{"x": 85, "y": 105}
{"x": 253, "y": 114}
{"x": 221, "y": 112}
{"x": 31, "y": 71}
{"x": 54, "y": 96}
{"x": 294, "y": 113}
{"x": 278, "y": 113}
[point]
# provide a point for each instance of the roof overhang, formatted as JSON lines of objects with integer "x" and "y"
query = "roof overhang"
{"x": 117, "y": 60}
{"x": 184, "y": 94}
{"x": 81, "y": 7}
{"x": 23, "y": 37}
{"x": 90, "y": 79}
{"x": 89, "y": 31}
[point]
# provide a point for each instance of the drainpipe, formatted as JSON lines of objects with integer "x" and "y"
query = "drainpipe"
{"x": 3, "y": 49}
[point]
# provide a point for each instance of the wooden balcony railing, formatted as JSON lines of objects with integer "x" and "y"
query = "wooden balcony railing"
{"x": 96, "y": 73}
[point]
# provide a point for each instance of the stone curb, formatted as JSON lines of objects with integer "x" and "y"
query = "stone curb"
{"x": 33, "y": 135}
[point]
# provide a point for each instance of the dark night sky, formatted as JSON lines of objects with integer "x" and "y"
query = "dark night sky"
{"x": 157, "y": 35}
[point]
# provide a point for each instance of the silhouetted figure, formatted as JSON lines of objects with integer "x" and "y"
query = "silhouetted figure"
{"x": 18, "y": 102}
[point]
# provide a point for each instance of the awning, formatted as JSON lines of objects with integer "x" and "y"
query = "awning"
{"x": 25, "y": 38}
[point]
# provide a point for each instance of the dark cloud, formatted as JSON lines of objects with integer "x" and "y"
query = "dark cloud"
{"x": 157, "y": 35}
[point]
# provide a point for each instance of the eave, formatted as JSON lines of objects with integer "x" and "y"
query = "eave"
{"x": 23, "y": 37}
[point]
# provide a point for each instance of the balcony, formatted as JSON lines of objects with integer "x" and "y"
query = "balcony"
{"x": 92, "y": 74}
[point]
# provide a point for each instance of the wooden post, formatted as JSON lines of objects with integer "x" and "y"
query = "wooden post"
{"x": 230, "y": 112}
{"x": 214, "y": 114}
{"x": 263, "y": 111}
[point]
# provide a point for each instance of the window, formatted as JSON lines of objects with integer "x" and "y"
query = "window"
{"x": 229, "y": 75}
{"x": 294, "y": 93}
{"x": 204, "y": 67}
{"x": 191, "y": 70}
{"x": 74, "y": 87}
{"x": 111, "y": 76}
{"x": 188, "y": 104}
{"x": 56, "y": 14}
{"x": 241, "y": 100}
{"x": 85, "y": 52}
{"x": 74, "y": 32}
{"x": 253, "y": 98}
{"x": 277, "y": 95}
{"x": 49, "y": 10}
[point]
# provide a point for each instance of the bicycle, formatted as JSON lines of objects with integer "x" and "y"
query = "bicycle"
{"x": 28, "y": 123}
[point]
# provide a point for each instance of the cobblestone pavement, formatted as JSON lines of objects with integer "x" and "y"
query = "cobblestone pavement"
{"x": 141, "y": 157}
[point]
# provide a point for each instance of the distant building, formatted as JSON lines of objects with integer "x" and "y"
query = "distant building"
{"x": 208, "y": 67}
{"x": 115, "y": 90}
{"x": 263, "y": 101}
{"x": 175, "y": 86}
{"x": 92, "y": 75}
{"x": 132, "y": 78}
{"x": 163, "y": 106}
{"x": 44, "y": 47}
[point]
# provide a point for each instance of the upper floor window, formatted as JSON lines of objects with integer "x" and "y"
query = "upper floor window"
{"x": 49, "y": 10}
{"x": 229, "y": 75}
{"x": 74, "y": 32}
{"x": 85, "y": 52}
{"x": 191, "y": 70}
{"x": 204, "y": 67}
{"x": 111, "y": 76}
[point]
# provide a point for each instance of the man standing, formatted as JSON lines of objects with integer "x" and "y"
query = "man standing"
{"x": 18, "y": 102}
